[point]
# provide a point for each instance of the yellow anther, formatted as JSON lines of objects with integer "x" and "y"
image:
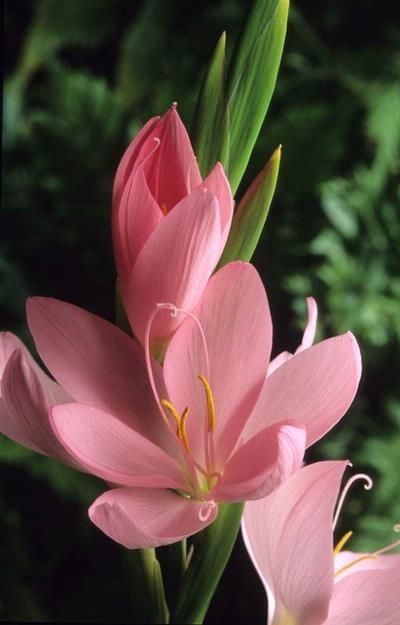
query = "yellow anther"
{"x": 164, "y": 208}
{"x": 167, "y": 404}
{"x": 180, "y": 421}
{"x": 182, "y": 430}
{"x": 212, "y": 418}
{"x": 342, "y": 543}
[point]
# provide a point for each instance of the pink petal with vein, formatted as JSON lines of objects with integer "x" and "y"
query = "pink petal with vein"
{"x": 218, "y": 184}
{"x": 95, "y": 361}
{"x": 171, "y": 170}
{"x": 263, "y": 463}
{"x": 129, "y": 159}
{"x": 135, "y": 218}
{"x": 172, "y": 268}
{"x": 315, "y": 387}
{"x": 141, "y": 517}
{"x": 110, "y": 449}
{"x": 234, "y": 314}
{"x": 290, "y": 541}
{"x": 25, "y": 402}
{"x": 366, "y": 598}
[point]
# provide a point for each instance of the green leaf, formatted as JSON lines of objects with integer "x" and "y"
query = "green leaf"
{"x": 211, "y": 122}
{"x": 252, "y": 78}
{"x": 212, "y": 549}
{"x": 251, "y": 213}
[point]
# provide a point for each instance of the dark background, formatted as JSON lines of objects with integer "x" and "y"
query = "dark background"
{"x": 80, "y": 80}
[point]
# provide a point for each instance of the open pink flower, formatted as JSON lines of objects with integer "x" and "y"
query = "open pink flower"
{"x": 169, "y": 226}
{"x": 309, "y": 581}
{"x": 176, "y": 440}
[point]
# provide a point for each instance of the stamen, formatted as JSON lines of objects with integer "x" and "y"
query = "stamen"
{"x": 212, "y": 418}
{"x": 370, "y": 556}
{"x": 150, "y": 369}
{"x": 182, "y": 430}
{"x": 342, "y": 543}
{"x": 167, "y": 404}
{"x": 367, "y": 486}
{"x": 349, "y": 565}
{"x": 164, "y": 209}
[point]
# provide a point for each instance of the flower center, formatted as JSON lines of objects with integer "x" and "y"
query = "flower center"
{"x": 200, "y": 477}
{"x": 205, "y": 477}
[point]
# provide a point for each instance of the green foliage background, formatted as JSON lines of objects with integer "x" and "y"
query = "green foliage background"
{"x": 81, "y": 78}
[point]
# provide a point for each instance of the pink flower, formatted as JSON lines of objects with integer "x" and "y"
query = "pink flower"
{"x": 309, "y": 582}
{"x": 169, "y": 227}
{"x": 208, "y": 426}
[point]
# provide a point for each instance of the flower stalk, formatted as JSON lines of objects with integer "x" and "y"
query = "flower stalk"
{"x": 212, "y": 549}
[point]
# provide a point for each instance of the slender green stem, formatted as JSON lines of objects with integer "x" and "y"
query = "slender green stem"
{"x": 145, "y": 577}
{"x": 212, "y": 549}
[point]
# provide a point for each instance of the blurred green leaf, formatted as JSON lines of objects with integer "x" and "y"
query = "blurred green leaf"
{"x": 134, "y": 81}
{"x": 57, "y": 24}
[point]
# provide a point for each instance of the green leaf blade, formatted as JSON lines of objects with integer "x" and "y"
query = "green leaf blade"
{"x": 251, "y": 214}
{"x": 252, "y": 79}
{"x": 211, "y": 123}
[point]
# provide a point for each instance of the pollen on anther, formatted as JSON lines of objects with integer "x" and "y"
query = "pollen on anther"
{"x": 211, "y": 413}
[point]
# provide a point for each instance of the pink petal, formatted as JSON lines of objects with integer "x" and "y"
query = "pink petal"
{"x": 311, "y": 327}
{"x": 235, "y": 317}
{"x": 308, "y": 337}
{"x": 54, "y": 393}
{"x": 175, "y": 263}
{"x": 112, "y": 450}
{"x": 366, "y": 598}
{"x": 263, "y": 463}
{"x": 218, "y": 184}
{"x": 95, "y": 361}
{"x": 289, "y": 538}
{"x": 24, "y": 408}
{"x": 129, "y": 160}
{"x": 141, "y": 518}
{"x": 278, "y": 361}
{"x": 135, "y": 218}
{"x": 315, "y": 387}
{"x": 8, "y": 344}
{"x": 171, "y": 170}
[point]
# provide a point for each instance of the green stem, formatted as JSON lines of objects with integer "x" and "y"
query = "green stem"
{"x": 175, "y": 569}
{"x": 211, "y": 553}
{"x": 148, "y": 591}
